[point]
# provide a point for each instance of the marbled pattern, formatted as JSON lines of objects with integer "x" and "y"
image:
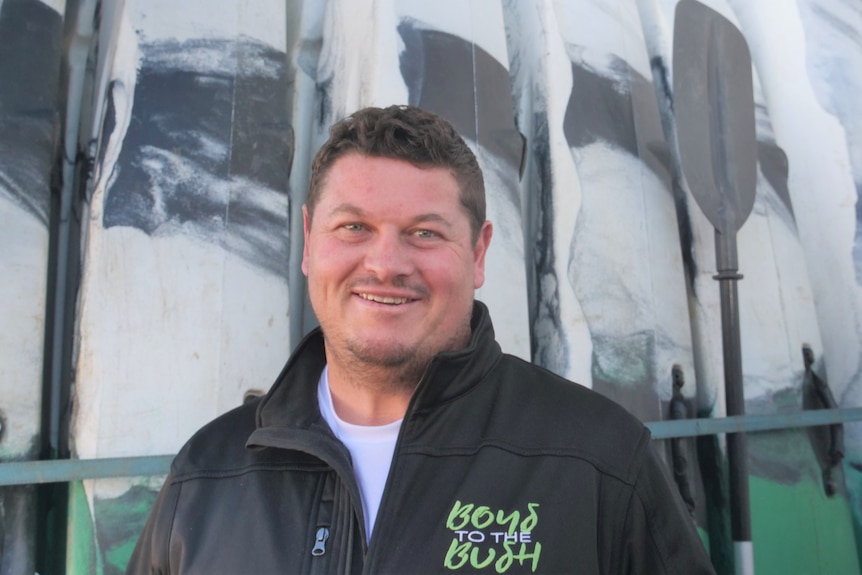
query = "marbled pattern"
{"x": 213, "y": 165}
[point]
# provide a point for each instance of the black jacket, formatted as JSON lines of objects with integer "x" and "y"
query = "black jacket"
{"x": 500, "y": 467}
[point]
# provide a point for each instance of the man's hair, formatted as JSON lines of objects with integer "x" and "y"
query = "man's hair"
{"x": 403, "y": 133}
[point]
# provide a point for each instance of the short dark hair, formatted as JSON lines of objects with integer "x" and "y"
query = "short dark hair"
{"x": 403, "y": 133}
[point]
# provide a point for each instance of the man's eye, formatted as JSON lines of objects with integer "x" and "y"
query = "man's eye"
{"x": 352, "y": 227}
{"x": 425, "y": 234}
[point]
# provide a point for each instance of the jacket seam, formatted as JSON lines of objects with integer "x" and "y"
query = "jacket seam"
{"x": 623, "y": 533}
{"x": 170, "y": 533}
{"x": 650, "y": 514}
{"x": 219, "y": 474}
{"x": 523, "y": 452}
{"x": 649, "y": 510}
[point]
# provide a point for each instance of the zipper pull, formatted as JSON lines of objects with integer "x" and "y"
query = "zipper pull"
{"x": 320, "y": 542}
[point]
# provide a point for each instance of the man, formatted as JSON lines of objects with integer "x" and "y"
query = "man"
{"x": 399, "y": 438}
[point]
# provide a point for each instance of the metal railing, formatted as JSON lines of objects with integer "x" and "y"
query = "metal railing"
{"x": 64, "y": 470}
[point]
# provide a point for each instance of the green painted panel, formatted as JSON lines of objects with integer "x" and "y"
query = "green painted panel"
{"x": 81, "y": 555}
{"x": 853, "y": 478}
{"x": 797, "y": 529}
{"x": 102, "y": 546}
{"x": 119, "y": 523}
{"x": 704, "y": 537}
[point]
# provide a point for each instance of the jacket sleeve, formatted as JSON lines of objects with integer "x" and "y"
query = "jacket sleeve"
{"x": 660, "y": 535}
{"x": 151, "y": 555}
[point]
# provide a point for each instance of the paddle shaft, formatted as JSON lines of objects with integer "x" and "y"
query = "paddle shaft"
{"x": 737, "y": 446}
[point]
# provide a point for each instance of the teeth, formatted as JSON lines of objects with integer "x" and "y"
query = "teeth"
{"x": 382, "y": 299}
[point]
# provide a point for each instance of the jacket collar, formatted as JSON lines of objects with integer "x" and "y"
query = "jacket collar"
{"x": 451, "y": 374}
{"x": 292, "y": 400}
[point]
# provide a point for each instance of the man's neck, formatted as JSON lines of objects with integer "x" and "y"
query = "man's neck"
{"x": 369, "y": 396}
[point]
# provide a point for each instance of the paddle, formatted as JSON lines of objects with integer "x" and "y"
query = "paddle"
{"x": 714, "y": 108}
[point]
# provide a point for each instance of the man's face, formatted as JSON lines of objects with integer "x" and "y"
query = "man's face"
{"x": 390, "y": 262}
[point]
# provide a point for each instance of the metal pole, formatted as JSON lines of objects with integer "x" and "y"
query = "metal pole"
{"x": 737, "y": 445}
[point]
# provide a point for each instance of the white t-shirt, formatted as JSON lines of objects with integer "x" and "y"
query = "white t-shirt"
{"x": 370, "y": 446}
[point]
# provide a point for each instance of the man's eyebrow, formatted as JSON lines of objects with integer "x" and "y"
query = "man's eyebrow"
{"x": 355, "y": 210}
{"x": 432, "y": 217}
{"x": 346, "y": 209}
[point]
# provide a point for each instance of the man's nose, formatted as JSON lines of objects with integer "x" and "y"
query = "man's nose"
{"x": 389, "y": 256}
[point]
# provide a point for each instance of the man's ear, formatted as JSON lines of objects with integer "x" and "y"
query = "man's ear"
{"x": 479, "y": 252}
{"x": 306, "y": 224}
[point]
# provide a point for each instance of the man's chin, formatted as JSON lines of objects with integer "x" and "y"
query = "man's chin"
{"x": 387, "y": 354}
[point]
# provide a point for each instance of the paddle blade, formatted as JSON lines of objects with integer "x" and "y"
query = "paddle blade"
{"x": 714, "y": 109}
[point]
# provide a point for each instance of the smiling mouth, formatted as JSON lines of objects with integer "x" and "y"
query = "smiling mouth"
{"x": 384, "y": 299}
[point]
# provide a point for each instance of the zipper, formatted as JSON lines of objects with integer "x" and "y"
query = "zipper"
{"x": 381, "y": 523}
{"x": 320, "y": 539}
{"x": 320, "y": 561}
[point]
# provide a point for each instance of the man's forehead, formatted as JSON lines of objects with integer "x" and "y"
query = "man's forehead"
{"x": 356, "y": 172}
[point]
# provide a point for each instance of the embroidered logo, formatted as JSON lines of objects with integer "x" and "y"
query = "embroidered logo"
{"x": 488, "y": 538}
